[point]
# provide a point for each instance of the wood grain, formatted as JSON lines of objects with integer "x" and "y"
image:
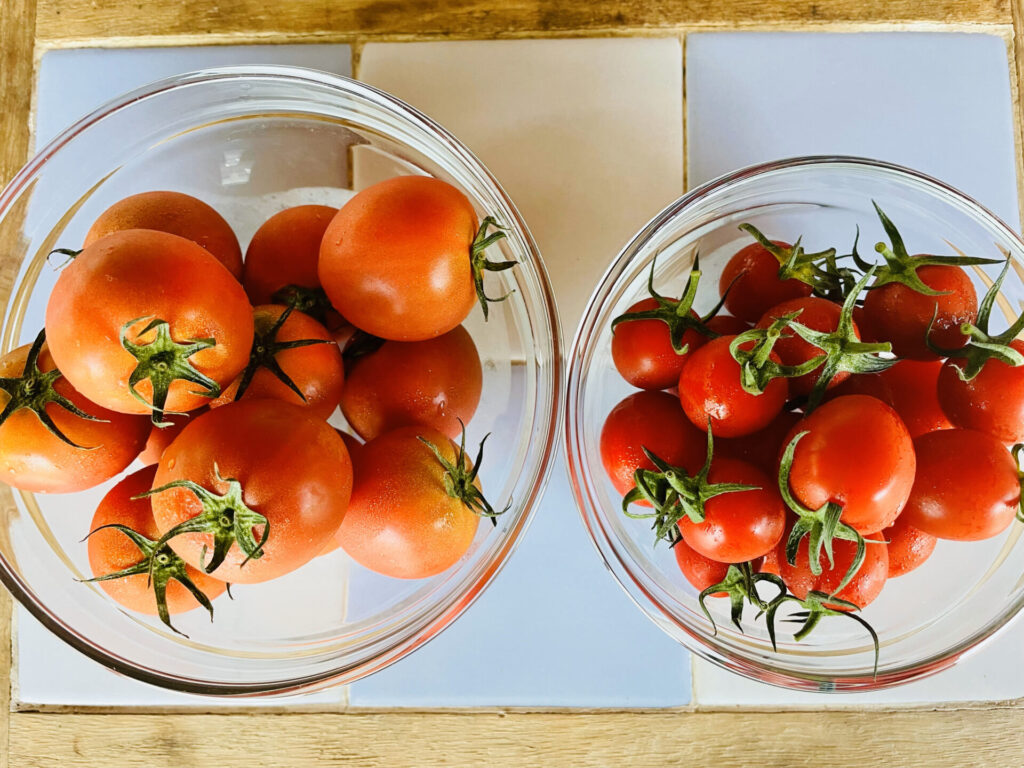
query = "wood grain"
{"x": 197, "y": 22}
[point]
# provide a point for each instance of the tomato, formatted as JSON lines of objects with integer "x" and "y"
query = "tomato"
{"x": 177, "y": 214}
{"x": 642, "y": 349}
{"x": 434, "y": 383}
{"x": 294, "y": 359}
{"x": 283, "y": 256}
{"x": 753, "y": 273}
{"x": 966, "y": 486}
{"x": 33, "y": 457}
{"x": 865, "y": 585}
{"x": 651, "y": 420}
{"x": 993, "y": 401}
{"x": 737, "y": 526}
{"x": 761, "y": 448}
{"x": 818, "y": 315}
{"x": 858, "y": 454}
{"x": 727, "y": 325}
{"x": 402, "y": 522}
{"x": 160, "y": 437}
{"x": 710, "y": 389}
{"x": 112, "y": 550}
{"x": 702, "y": 572}
{"x": 198, "y": 319}
{"x": 354, "y": 446}
{"x": 913, "y": 387}
{"x": 870, "y": 384}
{"x": 401, "y": 258}
{"x": 898, "y": 314}
{"x": 255, "y": 463}
{"x": 908, "y": 547}
{"x": 770, "y": 562}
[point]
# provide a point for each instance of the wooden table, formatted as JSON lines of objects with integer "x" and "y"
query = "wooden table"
{"x": 992, "y": 735}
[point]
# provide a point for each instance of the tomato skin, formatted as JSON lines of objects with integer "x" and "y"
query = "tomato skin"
{"x": 993, "y": 401}
{"x": 769, "y": 563}
{"x": 754, "y": 275}
{"x": 395, "y": 260}
{"x": 865, "y": 586}
{"x": 966, "y": 487}
{"x": 144, "y": 274}
{"x": 702, "y": 572}
{"x": 401, "y": 522}
{"x": 818, "y": 315}
{"x": 177, "y": 214}
{"x": 737, "y": 526}
{"x": 874, "y": 487}
{"x": 653, "y": 420}
{"x": 908, "y": 547}
{"x": 709, "y": 388}
{"x": 317, "y": 369}
{"x": 727, "y": 325}
{"x": 284, "y": 251}
{"x": 642, "y": 350}
{"x": 34, "y": 459}
{"x": 434, "y": 383}
{"x": 160, "y": 437}
{"x": 111, "y": 550}
{"x": 901, "y": 315}
{"x": 761, "y": 448}
{"x": 272, "y": 448}
{"x": 914, "y": 389}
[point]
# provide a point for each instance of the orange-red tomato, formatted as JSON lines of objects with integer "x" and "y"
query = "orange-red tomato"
{"x": 33, "y": 458}
{"x": 401, "y": 522}
{"x": 316, "y": 369}
{"x": 292, "y": 468}
{"x": 643, "y": 353}
{"x": 160, "y": 437}
{"x": 435, "y": 383}
{"x": 992, "y": 402}
{"x": 130, "y": 280}
{"x": 702, "y": 572}
{"x": 864, "y": 587}
{"x": 908, "y": 546}
{"x": 913, "y": 386}
{"x": 111, "y": 550}
{"x": 177, "y": 214}
{"x": 761, "y": 448}
{"x": 395, "y": 260}
{"x": 753, "y": 273}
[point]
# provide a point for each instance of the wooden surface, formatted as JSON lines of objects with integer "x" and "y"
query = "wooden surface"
{"x": 977, "y": 737}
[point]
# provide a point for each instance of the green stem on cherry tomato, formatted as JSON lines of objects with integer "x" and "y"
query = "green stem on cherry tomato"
{"x": 34, "y": 390}
{"x": 1020, "y": 479}
{"x": 69, "y": 252}
{"x": 479, "y": 263}
{"x": 740, "y": 585}
{"x": 796, "y": 264}
{"x": 161, "y": 564}
{"x": 163, "y": 361}
{"x": 310, "y": 301}
{"x": 757, "y": 368}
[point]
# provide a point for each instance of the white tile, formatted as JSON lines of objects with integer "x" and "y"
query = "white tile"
{"x": 939, "y": 103}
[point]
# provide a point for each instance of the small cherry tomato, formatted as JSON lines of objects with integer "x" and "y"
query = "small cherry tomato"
{"x": 652, "y": 420}
{"x": 435, "y": 383}
{"x": 642, "y": 350}
{"x": 710, "y": 390}
{"x": 761, "y": 448}
{"x": 966, "y": 487}
{"x": 908, "y": 547}
{"x": 992, "y": 402}
{"x": 702, "y": 572}
{"x": 177, "y": 214}
{"x": 863, "y": 588}
{"x": 914, "y": 390}
{"x": 858, "y": 454}
{"x": 753, "y": 273}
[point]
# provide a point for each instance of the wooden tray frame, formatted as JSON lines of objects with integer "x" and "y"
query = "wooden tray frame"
{"x": 983, "y": 735}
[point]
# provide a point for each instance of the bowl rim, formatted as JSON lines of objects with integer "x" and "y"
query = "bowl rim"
{"x": 459, "y": 601}
{"x": 572, "y": 438}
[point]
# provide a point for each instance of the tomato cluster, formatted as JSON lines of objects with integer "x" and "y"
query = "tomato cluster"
{"x": 217, "y": 375}
{"x": 824, "y": 435}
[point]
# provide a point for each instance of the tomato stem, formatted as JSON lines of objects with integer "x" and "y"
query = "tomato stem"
{"x": 757, "y": 368}
{"x": 740, "y": 585}
{"x": 479, "y": 263}
{"x": 310, "y": 301}
{"x": 1020, "y": 479}
{"x": 796, "y": 264}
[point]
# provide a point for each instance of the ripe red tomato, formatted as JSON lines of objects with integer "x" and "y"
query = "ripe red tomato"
{"x": 913, "y": 387}
{"x": 278, "y": 356}
{"x": 435, "y": 383}
{"x": 966, "y": 486}
{"x": 251, "y": 457}
{"x": 32, "y": 456}
{"x": 753, "y": 273}
{"x": 900, "y": 315}
{"x": 870, "y": 384}
{"x": 710, "y": 389}
{"x": 727, "y": 325}
{"x": 908, "y": 547}
{"x": 160, "y": 437}
{"x": 737, "y": 526}
{"x": 398, "y": 259}
{"x": 702, "y": 572}
{"x": 864, "y": 587}
{"x": 401, "y": 521}
{"x": 112, "y": 550}
{"x": 858, "y": 454}
{"x": 770, "y": 562}
{"x": 642, "y": 350}
{"x": 198, "y": 316}
{"x": 761, "y": 448}
{"x": 992, "y": 402}
{"x": 177, "y": 214}
{"x": 652, "y": 420}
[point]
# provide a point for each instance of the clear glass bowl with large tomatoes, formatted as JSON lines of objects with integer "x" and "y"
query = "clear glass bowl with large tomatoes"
{"x": 259, "y": 324}
{"x": 795, "y": 409}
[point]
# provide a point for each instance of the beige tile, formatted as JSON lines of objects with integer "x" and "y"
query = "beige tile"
{"x": 585, "y": 135}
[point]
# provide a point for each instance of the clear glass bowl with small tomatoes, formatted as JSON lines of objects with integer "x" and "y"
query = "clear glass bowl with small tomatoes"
{"x": 809, "y": 360}
{"x": 172, "y": 449}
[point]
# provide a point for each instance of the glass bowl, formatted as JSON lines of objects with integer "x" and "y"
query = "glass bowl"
{"x": 252, "y": 141}
{"x": 926, "y": 620}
